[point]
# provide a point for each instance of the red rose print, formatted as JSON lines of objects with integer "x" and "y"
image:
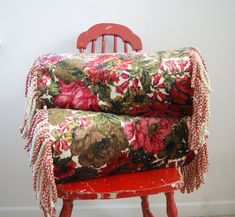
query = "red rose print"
{"x": 69, "y": 170}
{"x": 71, "y": 87}
{"x": 129, "y": 130}
{"x": 49, "y": 59}
{"x": 84, "y": 99}
{"x": 137, "y": 110}
{"x": 161, "y": 67}
{"x": 156, "y": 78}
{"x": 63, "y": 100}
{"x": 135, "y": 84}
{"x": 60, "y": 145}
{"x": 149, "y": 133}
{"x": 43, "y": 79}
{"x": 75, "y": 95}
{"x": 116, "y": 163}
{"x": 67, "y": 91}
{"x": 105, "y": 67}
{"x": 182, "y": 63}
{"x": 160, "y": 107}
{"x": 177, "y": 96}
{"x": 122, "y": 87}
{"x": 159, "y": 93}
{"x": 184, "y": 85}
{"x": 124, "y": 75}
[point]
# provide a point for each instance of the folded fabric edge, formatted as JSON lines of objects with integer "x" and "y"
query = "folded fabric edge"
{"x": 39, "y": 145}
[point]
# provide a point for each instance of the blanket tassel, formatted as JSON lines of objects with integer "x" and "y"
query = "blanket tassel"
{"x": 193, "y": 173}
{"x": 39, "y": 145}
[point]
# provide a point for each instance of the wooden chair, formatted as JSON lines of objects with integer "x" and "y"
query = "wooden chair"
{"x": 139, "y": 184}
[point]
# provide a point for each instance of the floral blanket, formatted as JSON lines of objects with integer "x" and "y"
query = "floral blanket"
{"x": 154, "y": 84}
{"x": 90, "y": 144}
{"x": 90, "y": 115}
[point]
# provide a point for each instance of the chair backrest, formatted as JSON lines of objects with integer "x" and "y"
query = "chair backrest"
{"x": 107, "y": 29}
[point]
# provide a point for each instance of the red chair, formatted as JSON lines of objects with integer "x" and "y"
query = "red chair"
{"x": 139, "y": 184}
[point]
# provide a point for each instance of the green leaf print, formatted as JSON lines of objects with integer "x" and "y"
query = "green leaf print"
{"x": 146, "y": 81}
{"x": 54, "y": 89}
{"x": 104, "y": 92}
{"x": 105, "y": 118}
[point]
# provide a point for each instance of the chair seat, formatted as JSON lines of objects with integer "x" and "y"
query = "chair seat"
{"x": 123, "y": 185}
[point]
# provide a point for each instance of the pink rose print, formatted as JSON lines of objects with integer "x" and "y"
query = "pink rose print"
{"x": 129, "y": 129}
{"x": 149, "y": 133}
{"x": 67, "y": 92}
{"x": 49, "y": 59}
{"x": 63, "y": 100}
{"x": 84, "y": 122}
{"x": 170, "y": 65}
{"x": 60, "y": 145}
{"x": 43, "y": 79}
{"x": 182, "y": 63}
{"x": 75, "y": 95}
{"x": 84, "y": 99}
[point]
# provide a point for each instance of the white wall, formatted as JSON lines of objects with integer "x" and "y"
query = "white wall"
{"x": 29, "y": 28}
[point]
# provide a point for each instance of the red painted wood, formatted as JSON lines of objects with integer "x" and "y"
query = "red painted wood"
{"x": 145, "y": 207}
{"x": 123, "y": 185}
{"x": 125, "y": 48}
{"x": 98, "y": 30}
{"x": 170, "y": 205}
{"x": 93, "y": 46}
{"x": 115, "y": 44}
{"x": 67, "y": 208}
{"x": 103, "y": 44}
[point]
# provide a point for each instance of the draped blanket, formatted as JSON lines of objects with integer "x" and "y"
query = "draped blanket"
{"x": 90, "y": 115}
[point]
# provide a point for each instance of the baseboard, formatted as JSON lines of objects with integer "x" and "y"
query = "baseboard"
{"x": 186, "y": 209}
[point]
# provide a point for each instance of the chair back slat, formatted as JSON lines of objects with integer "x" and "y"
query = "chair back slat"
{"x": 103, "y": 44}
{"x": 115, "y": 44}
{"x": 107, "y": 29}
{"x": 125, "y": 47}
{"x": 93, "y": 46}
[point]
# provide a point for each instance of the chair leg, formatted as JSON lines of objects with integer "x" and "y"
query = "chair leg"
{"x": 145, "y": 207}
{"x": 67, "y": 208}
{"x": 170, "y": 205}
